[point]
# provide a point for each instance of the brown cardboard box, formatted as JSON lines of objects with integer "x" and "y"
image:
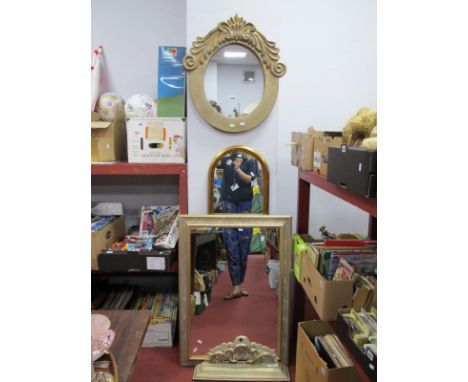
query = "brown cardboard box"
{"x": 326, "y": 296}
{"x": 310, "y": 367}
{"x": 108, "y": 140}
{"x": 106, "y": 236}
{"x": 322, "y": 141}
{"x": 302, "y": 149}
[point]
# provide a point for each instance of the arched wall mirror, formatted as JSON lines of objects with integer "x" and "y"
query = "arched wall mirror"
{"x": 264, "y": 315}
{"x": 225, "y": 183}
{"x": 234, "y": 75}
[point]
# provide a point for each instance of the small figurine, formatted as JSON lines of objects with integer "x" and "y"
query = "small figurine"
{"x": 326, "y": 234}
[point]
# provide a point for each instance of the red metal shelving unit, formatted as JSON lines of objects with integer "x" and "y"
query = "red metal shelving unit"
{"x": 303, "y": 309}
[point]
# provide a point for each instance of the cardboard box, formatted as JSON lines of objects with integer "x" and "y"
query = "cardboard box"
{"x": 354, "y": 169}
{"x": 310, "y": 367}
{"x": 156, "y": 140}
{"x": 367, "y": 361}
{"x": 322, "y": 141}
{"x": 107, "y": 140}
{"x": 133, "y": 261}
{"x": 302, "y": 149}
{"x": 104, "y": 237}
{"x": 160, "y": 334}
{"x": 327, "y": 297}
{"x": 171, "y": 82}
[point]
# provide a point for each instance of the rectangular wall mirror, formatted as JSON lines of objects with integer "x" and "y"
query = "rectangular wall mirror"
{"x": 264, "y": 316}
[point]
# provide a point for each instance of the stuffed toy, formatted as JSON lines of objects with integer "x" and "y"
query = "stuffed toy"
{"x": 361, "y": 129}
{"x": 371, "y": 142}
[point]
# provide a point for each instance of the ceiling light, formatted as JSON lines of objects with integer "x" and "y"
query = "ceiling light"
{"x": 231, "y": 54}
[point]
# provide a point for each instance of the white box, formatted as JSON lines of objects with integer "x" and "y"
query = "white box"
{"x": 159, "y": 334}
{"x": 156, "y": 140}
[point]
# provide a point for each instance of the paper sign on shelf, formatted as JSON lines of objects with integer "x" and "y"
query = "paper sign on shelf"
{"x": 155, "y": 263}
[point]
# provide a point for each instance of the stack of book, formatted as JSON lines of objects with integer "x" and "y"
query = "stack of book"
{"x": 360, "y": 256}
{"x": 164, "y": 308}
{"x": 363, "y": 328}
{"x": 357, "y": 329}
{"x": 117, "y": 298}
{"x": 332, "y": 351}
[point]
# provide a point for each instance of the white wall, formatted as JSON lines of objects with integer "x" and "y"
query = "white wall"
{"x": 131, "y": 32}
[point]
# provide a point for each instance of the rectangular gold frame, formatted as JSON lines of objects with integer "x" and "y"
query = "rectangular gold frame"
{"x": 189, "y": 222}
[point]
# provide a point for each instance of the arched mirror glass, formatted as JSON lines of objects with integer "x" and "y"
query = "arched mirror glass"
{"x": 207, "y": 317}
{"x": 237, "y": 175}
{"x": 233, "y": 75}
{"x": 234, "y": 81}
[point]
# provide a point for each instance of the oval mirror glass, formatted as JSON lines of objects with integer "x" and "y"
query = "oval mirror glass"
{"x": 234, "y": 81}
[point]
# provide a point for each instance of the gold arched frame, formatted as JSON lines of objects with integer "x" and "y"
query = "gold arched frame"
{"x": 234, "y": 31}
{"x": 251, "y": 152}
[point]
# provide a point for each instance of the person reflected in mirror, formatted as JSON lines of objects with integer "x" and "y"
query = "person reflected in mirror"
{"x": 236, "y": 194}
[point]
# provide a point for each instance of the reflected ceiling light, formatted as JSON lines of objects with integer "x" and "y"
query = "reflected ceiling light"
{"x": 232, "y": 54}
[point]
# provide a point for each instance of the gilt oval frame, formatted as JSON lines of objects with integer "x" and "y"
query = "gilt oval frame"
{"x": 234, "y": 31}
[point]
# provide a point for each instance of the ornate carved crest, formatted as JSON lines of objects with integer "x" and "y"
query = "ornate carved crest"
{"x": 242, "y": 350}
{"x": 235, "y": 31}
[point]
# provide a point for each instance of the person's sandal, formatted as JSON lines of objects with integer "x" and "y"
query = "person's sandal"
{"x": 244, "y": 293}
{"x": 232, "y": 296}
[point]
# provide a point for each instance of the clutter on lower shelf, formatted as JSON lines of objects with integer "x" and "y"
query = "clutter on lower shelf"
{"x": 163, "y": 307}
{"x": 336, "y": 273}
{"x": 154, "y": 243}
{"x": 357, "y": 329}
{"x": 320, "y": 351}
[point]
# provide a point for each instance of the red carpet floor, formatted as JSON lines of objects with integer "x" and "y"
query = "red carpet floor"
{"x": 254, "y": 316}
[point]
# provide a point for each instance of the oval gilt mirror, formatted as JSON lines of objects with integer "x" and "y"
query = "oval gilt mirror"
{"x": 234, "y": 75}
{"x": 249, "y": 184}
